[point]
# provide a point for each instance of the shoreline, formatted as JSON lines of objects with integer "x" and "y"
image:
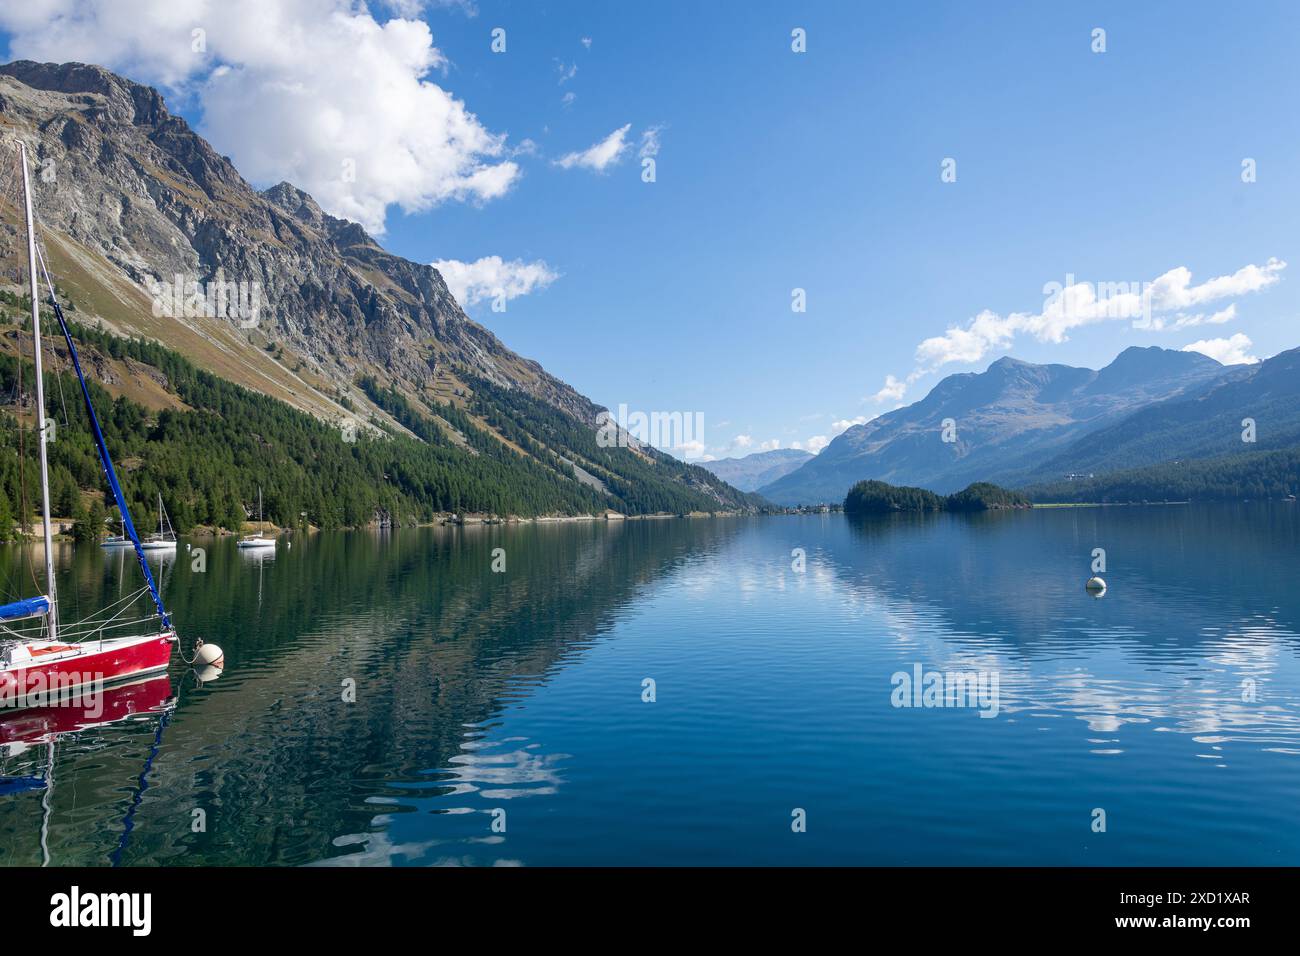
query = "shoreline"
{"x": 452, "y": 520}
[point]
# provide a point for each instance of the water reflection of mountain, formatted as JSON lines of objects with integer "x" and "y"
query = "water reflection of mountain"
{"x": 1195, "y": 637}
{"x": 436, "y": 643}
{"x": 1181, "y": 578}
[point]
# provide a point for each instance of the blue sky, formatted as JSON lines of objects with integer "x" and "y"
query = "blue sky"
{"x": 819, "y": 170}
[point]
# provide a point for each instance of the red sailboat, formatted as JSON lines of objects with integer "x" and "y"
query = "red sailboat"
{"x": 42, "y": 725}
{"x": 42, "y": 660}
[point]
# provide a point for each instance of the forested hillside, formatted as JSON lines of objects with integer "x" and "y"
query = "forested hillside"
{"x": 1246, "y": 475}
{"x": 209, "y": 456}
{"x": 879, "y": 497}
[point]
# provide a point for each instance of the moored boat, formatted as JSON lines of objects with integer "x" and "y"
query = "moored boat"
{"x": 256, "y": 540}
{"x": 41, "y": 725}
{"x": 42, "y": 660}
{"x": 165, "y": 538}
{"x": 116, "y": 541}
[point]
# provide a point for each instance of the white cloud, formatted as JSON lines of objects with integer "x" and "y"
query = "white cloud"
{"x": 566, "y": 72}
{"x": 568, "y": 99}
{"x": 309, "y": 91}
{"x": 1185, "y": 321}
{"x": 414, "y": 8}
{"x": 817, "y": 442}
{"x": 486, "y": 278}
{"x": 987, "y": 330}
{"x": 1174, "y": 289}
{"x": 814, "y": 444}
{"x": 600, "y": 156}
{"x": 690, "y": 450}
{"x": 892, "y": 391}
{"x": 1230, "y": 351}
{"x": 586, "y": 41}
{"x": 846, "y": 423}
{"x": 742, "y": 445}
{"x": 1083, "y": 303}
{"x": 650, "y": 143}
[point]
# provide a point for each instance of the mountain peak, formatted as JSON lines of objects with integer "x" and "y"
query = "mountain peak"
{"x": 1153, "y": 356}
{"x": 1138, "y": 364}
{"x": 759, "y": 468}
{"x": 127, "y": 100}
{"x": 298, "y": 204}
{"x": 336, "y": 305}
{"x": 1008, "y": 362}
{"x": 1005, "y": 417}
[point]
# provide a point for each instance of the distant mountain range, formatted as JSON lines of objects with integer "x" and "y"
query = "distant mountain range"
{"x": 1020, "y": 424}
{"x": 1203, "y": 422}
{"x": 749, "y": 472}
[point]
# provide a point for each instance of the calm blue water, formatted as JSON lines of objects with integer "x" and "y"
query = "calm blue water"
{"x": 522, "y": 692}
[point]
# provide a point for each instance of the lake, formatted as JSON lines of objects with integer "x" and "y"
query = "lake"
{"x": 713, "y": 691}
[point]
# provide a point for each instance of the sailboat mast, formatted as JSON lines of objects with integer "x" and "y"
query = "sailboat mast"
{"x": 40, "y": 399}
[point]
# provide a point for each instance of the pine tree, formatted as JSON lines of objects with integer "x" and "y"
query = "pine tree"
{"x": 233, "y": 518}
{"x": 98, "y": 515}
{"x": 82, "y": 529}
{"x": 6, "y": 517}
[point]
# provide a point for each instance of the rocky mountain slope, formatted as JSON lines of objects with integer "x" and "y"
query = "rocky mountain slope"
{"x": 129, "y": 198}
{"x": 750, "y": 472}
{"x": 1006, "y": 421}
{"x": 127, "y": 188}
{"x": 1206, "y": 422}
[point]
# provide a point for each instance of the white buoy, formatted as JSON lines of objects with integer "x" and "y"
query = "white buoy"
{"x": 209, "y": 655}
{"x": 207, "y": 674}
{"x": 1096, "y": 585}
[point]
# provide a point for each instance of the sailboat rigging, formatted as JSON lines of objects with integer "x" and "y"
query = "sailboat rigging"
{"x": 50, "y": 660}
{"x": 255, "y": 540}
{"x": 165, "y": 538}
{"x": 116, "y": 541}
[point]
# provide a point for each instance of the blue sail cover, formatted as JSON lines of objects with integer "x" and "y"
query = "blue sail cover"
{"x": 109, "y": 473}
{"x": 10, "y": 785}
{"x": 27, "y": 607}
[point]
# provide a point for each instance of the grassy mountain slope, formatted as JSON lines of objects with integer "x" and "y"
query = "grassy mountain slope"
{"x": 1204, "y": 424}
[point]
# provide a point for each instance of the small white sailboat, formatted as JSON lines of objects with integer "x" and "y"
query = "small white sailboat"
{"x": 165, "y": 538}
{"x": 114, "y": 541}
{"x": 256, "y": 540}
